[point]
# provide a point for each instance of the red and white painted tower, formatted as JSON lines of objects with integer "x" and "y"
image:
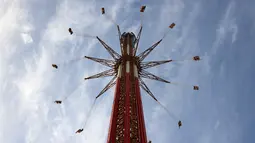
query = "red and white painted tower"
{"x": 127, "y": 120}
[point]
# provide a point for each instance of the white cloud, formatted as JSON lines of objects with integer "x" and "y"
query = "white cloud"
{"x": 227, "y": 26}
{"x": 27, "y": 38}
{"x": 217, "y": 124}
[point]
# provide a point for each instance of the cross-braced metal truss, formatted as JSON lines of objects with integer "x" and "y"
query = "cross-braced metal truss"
{"x": 146, "y": 65}
{"x": 114, "y": 54}
{"x": 145, "y": 53}
{"x": 146, "y": 89}
{"x": 146, "y": 74}
{"x": 108, "y": 86}
{"x": 108, "y": 63}
{"x": 138, "y": 39}
{"x": 110, "y": 72}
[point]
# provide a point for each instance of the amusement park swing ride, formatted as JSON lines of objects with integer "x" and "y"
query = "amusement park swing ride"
{"x": 128, "y": 70}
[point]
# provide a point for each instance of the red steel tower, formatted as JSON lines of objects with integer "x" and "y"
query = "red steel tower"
{"x": 127, "y": 118}
{"x": 127, "y": 121}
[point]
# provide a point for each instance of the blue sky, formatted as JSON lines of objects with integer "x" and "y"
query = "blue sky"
{"x": 34, "y": 35}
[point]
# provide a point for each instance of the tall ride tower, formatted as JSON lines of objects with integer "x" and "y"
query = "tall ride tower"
{"x": 127, "y": 119}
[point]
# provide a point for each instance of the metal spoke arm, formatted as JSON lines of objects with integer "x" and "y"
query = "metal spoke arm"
{"x": 108, "y": 86}
{"x": 146, "y": 65}
{"x": 138, "y": 39}
{"x": 119, "y": 33}
{"x": 114, "y": 54}
{"x": 144, "y": 54}
{"x": 108, "y": 63}
{"x": 145, "y": 74}
{"x": 146, "y": 89}
{"x": 110, "y": 72}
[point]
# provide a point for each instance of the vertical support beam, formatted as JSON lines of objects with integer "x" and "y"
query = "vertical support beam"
{"x": 127, "y": 110}
{"x": 127, "y": 96}
{"x": 134, "y": 128}
{"x": 112, "y": 127}
{"x": 138, "y": 111}
{"x": 142, "y": 129}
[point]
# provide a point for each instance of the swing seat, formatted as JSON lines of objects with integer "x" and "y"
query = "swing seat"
{"x": 103, "y": 11}
{"x": 172, "y": 25}
{"x": 142, "y": 8}
{"x": 55, "y": 66}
